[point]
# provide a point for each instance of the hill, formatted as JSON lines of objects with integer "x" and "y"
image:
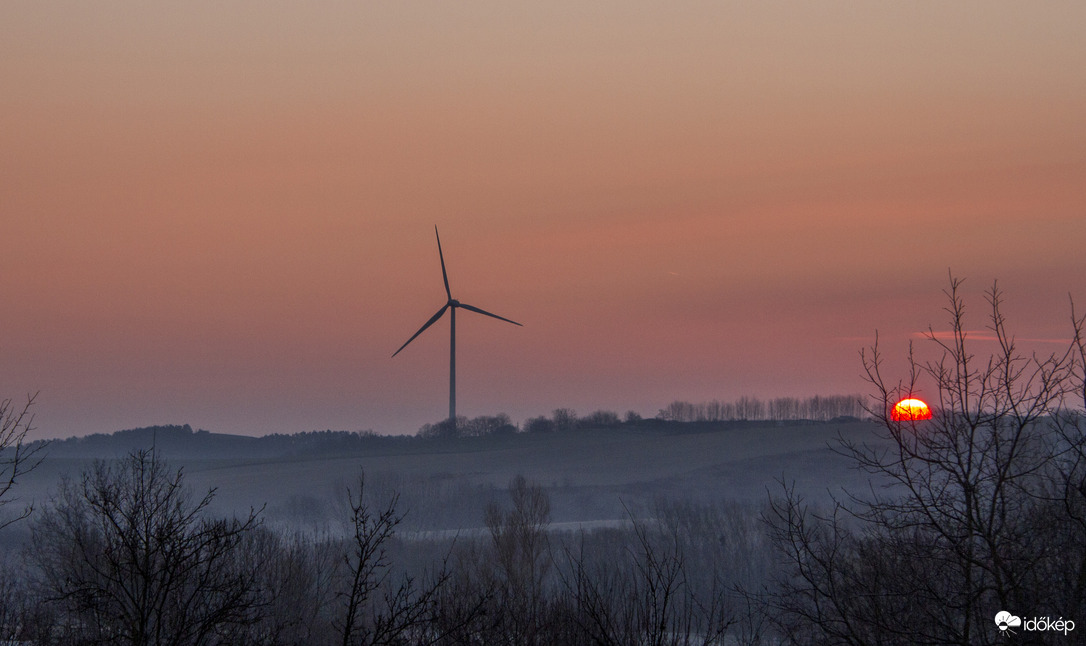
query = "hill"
{"x": 591, "y": 475}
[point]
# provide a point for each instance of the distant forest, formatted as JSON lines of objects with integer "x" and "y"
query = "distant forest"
{"x": 183, "y": 441}
{"x": 745, "y": 409}
{"x": 818, "y": 408}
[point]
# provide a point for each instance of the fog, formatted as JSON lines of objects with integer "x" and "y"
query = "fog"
{"x": 591, "y": 475}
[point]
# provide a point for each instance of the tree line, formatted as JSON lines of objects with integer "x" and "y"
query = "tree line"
{"x": 820, "y": 408}
{"x": 817, "y": 408}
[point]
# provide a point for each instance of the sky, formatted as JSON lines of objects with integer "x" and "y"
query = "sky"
{"x": 222, "y": 213}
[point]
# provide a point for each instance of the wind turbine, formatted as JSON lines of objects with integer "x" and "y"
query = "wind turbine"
{"x": 451, "y": 306}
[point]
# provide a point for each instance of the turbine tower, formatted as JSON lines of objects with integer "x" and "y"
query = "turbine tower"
{"x": 452, "y": 304}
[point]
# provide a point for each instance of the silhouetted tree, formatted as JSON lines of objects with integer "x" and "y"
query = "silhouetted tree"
{"x": 985, "y": 512}
{"x": 446, "y": 428}
{"x": 378, "y": 607}
{"x": 539, "y": 424}
{"x": 565, "y": 419}
{"x": 522, "y": 555}
{"x": 127, "y": 557}
{"x": 600, "y": 419}
{"x": 295, "y": 572}
{"x": 17, "y": 456}
{"x": 647, "y": 595}
{"x": 485, "y": 425}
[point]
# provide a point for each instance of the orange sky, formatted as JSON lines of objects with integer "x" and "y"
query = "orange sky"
{"x": 223, "y": 215}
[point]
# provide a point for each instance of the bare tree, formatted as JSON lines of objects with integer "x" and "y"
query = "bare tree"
{"x": 522, "y": 554}
{"x": 565, "y": 419}
{"x": 127, "y": 557}
{"x": 541, "y": 424}
{"x": 646, "y": 597}
{"x": 294, "y": 586}
{"x": 983, "y": 510}
{"x": 17, "y": 456}
{"x": 378, "y": 607}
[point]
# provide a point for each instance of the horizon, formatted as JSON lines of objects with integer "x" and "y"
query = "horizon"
{"x": 223, "y": 215}
{"x": 579, "y": 417}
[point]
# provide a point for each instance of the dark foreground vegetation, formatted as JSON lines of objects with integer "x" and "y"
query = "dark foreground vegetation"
{"x": 124, "y": 555}
{"x": 986, "y": 513}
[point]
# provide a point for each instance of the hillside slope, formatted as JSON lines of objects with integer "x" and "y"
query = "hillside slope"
{"x": 593, "y": 475}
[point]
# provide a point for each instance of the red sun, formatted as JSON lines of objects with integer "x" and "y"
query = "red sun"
{"x": 910, "y": 409}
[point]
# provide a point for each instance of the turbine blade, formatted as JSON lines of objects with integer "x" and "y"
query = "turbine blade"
{"x": 444, "y": 276}
{"x": 476, "y": 309}
{"x": 422, "y": 329}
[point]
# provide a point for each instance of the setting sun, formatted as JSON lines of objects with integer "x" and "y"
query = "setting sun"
{"x": 910, "y": 410}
